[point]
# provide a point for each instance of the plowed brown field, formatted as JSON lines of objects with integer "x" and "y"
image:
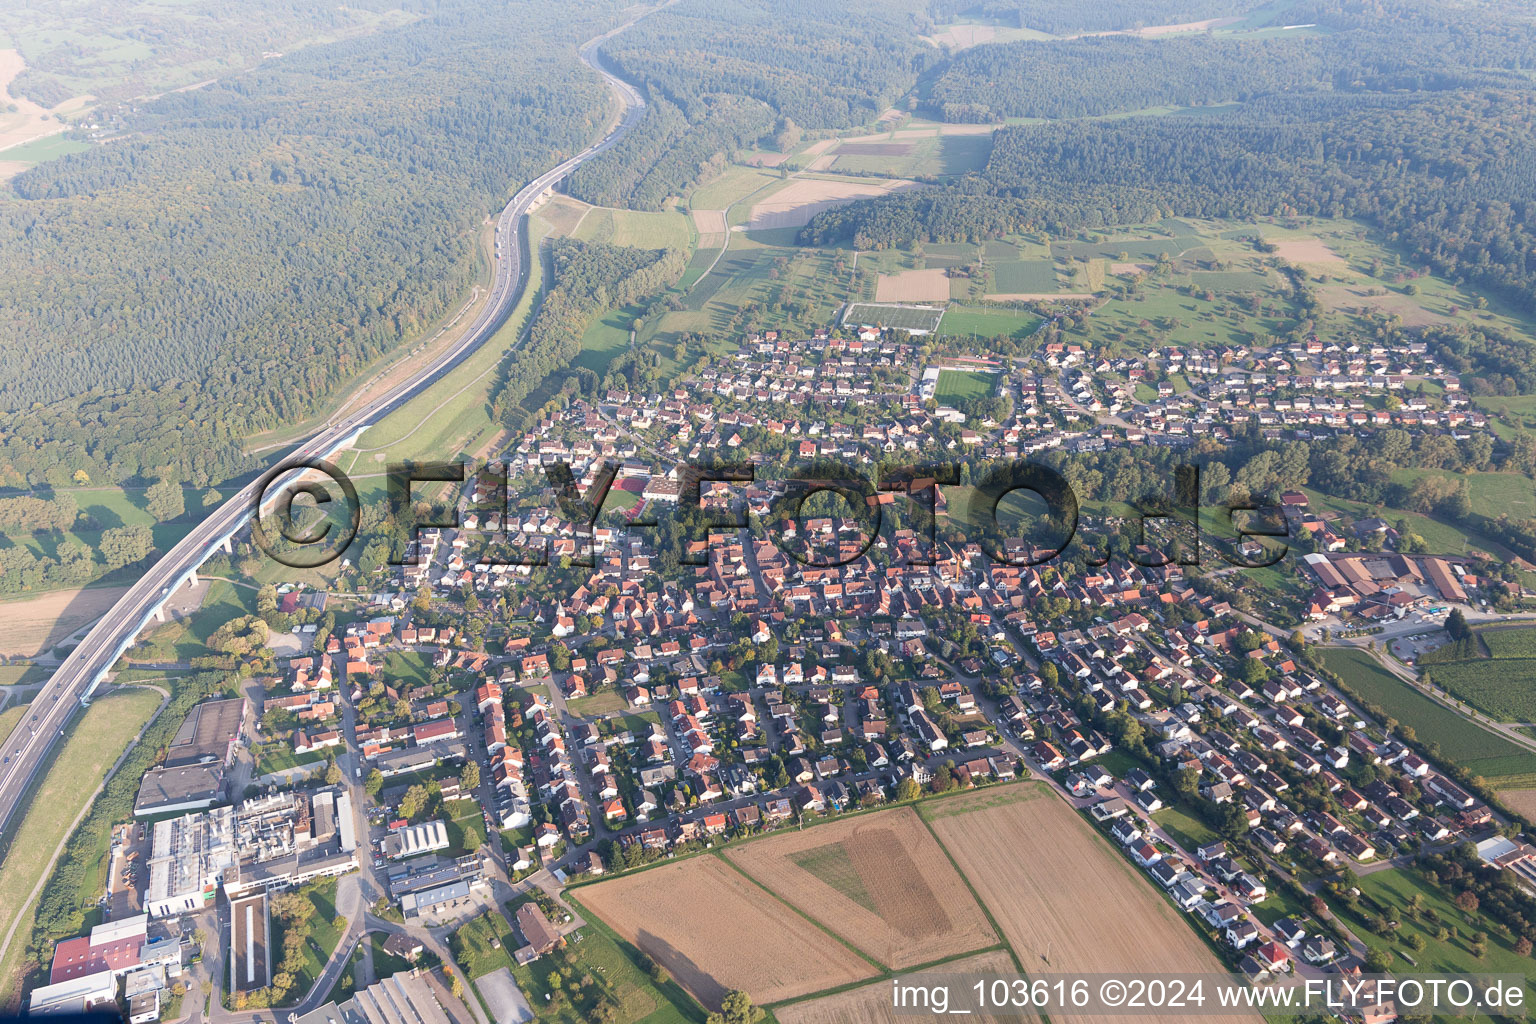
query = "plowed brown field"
{"x": 878, "y": 880}
{"x": 715, "y": 931}
{"x": 872, "y": 1003}
{"x": 1065, "y": 900}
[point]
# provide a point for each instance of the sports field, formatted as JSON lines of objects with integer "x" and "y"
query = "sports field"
{"x": 906, "y": 318}
{"x": 959, "y": 385}
{"x": 988, "y": 322}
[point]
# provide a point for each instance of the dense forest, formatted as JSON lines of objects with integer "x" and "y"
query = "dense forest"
{"x": 253, "y": 245}
{"x": 666, "y": 153}
{"x": 588, "y": 277}
{"x": 1114, "y": 74}
{"x": 1433, "y": 139}
{"x": 1063, "y": 19}
{"x": 138, "y": 47}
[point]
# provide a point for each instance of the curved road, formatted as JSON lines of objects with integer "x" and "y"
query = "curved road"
{"x": 26, "y": 750}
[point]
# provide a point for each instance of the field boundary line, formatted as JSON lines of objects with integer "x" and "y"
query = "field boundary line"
{"x": 885, "y": 971}
{"x": 995, "y": 947}
{"x": 1013, "y": 954}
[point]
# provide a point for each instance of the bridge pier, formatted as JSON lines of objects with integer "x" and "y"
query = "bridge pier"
{"x": 192, "y": 579}
{"x": 160, "y": 614}
{"x": 227, "y": 546}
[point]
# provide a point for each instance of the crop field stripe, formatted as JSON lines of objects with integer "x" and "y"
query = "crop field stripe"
{"x": 1013, "y": 954}
{"x": 884, "y": 971}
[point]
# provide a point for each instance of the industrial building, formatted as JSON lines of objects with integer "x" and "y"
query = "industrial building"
{"x": 414, "y": 840}
{"x": 190, "y": 787}
{"x": 212, "y": 732}
{"x": 272, "y": 842}
{"x": 86, "y": 970}
{"x": 424, "y": 889}
{"x": 405, "y": 998}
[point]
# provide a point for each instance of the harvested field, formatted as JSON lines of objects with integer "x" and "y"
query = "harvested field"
{"x": 913, "y": 286}
{"x": 28, "y": 120}
{"x": 1521, "y": 801}
{"x": 714, "y": 931}
{"x": 765, "y": 159}
{"x": 33, "y": 624}
{"x": 822, "y": 163}
{"x": 1041, "y": 296}
{"x": 794, "y": 205}
{"x": 1129, "y": 268}
{"x": 1311, "y": 251}
{"x": 710, "y": 222}
{"x": 872, "y": 1003}
{"x": 1407, "y": 307}
{"x": 1189, "y": 26}
{"x": 1057, "y": 889}
{"x": 879, "y": 881}
{"x": 875, "y": 149}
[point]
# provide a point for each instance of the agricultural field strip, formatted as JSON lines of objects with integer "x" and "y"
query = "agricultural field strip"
{"x": 915, "y": 907}
{"x": 1034, "y": 862}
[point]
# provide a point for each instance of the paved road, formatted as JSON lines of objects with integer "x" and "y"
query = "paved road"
{"x": 26, "y": 752}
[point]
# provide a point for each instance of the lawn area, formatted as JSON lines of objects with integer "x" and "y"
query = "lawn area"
{"x": 603, "y": 703}
{"x": 471, "y": 944}
{"x": 408, "y": 668}
{"x": 187, "y": 639}
{"x": 39, "y": 150}
{"x": 959, "y": 385}
{"x": 1394, "y": 888}
{"x": 594, "y": 952}
{"x": 1462, "y": 741}
{"x": 464, "y": 817}
{"x": 91, "y": 748}
{"x": 8, "y": 719}
{"x": 1188, "y": 831}
{"x": 987, "y": 322}
{"x": 13, "y": 675}
{"x": 666, "y": 230}
{"x": 325, "y": 930}
{"x": 604, "y": 339}
{"x": 1025, "y": 276}
{"x": 279, "y": 756}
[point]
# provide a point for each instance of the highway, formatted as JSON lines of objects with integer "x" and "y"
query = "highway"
{"x": 26, "y": 750}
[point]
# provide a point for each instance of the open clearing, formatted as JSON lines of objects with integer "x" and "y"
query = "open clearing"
{"x": 1310, "y": 251}
{"x": 794, "y": 205}
{"x": 1040, "y": 296}
{"x": 28, "y": 121}
{"x": 871, "y": 1004}
{"x": 1408, "y": 308}
{"x": 913, "y": 286}
{"x": 34, "y": 624}
{"x": 879, "y": 881}
{"x": 715, "y": 931}
{"x": 711, "y": 226}
{"x": 1060, "y": 894}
